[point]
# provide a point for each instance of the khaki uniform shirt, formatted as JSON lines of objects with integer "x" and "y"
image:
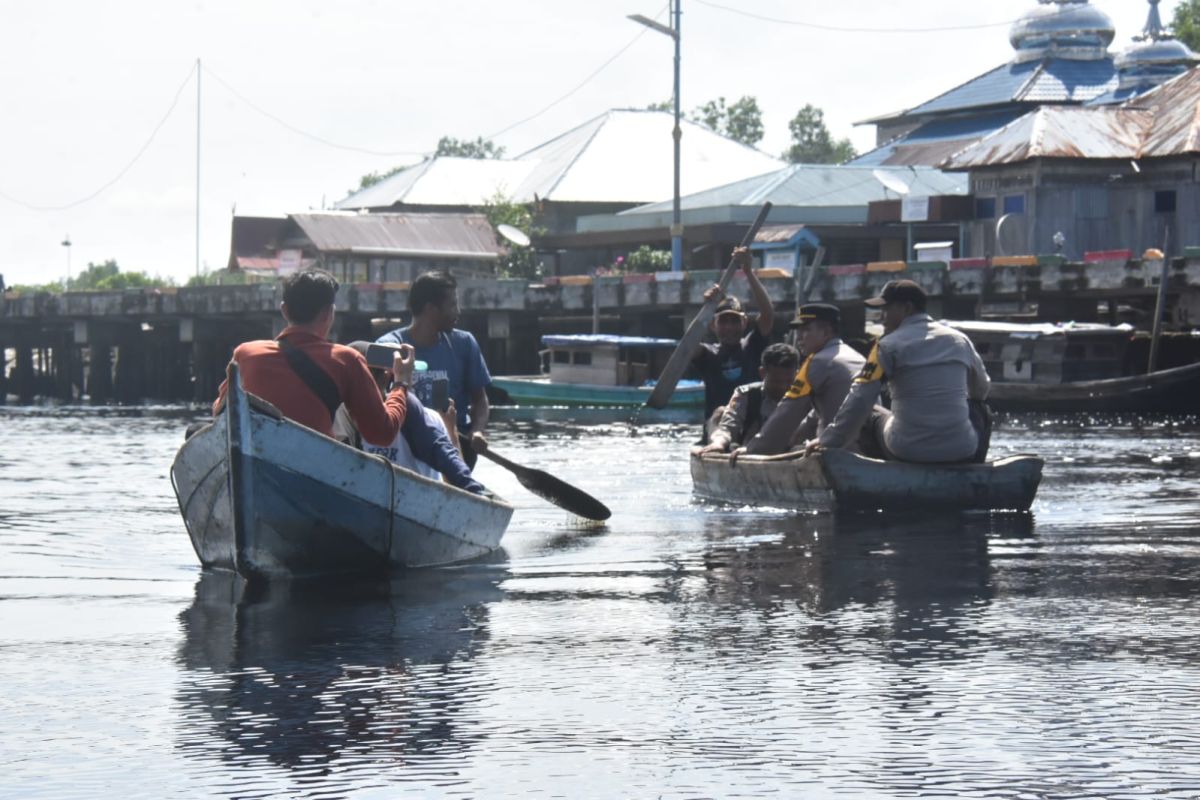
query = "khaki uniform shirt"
{"x": 732, "y": 428}
{"x": 816, "y": 395}
{"x": 931, "y": 371}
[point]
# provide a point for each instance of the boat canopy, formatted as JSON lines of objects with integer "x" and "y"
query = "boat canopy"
{"x": 603, "y": 340}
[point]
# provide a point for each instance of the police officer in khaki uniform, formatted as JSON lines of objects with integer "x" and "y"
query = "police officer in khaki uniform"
{"x": 819, "y": 388}
{"x": 933, "y": 374}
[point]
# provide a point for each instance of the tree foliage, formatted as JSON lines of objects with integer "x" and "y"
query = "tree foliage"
{"x": 372, "y": 178}
{"x": 104, "y": 277}
{"x": 1186, "y": 23}
{"x": 466, "y": 148}
{"x": 521, "y": 262}
{"x": 812, "y": 142}
{"x": 647, "y": 259}
{"x": 740, "y": 121}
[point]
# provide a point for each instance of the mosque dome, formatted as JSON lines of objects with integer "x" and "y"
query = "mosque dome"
{"x": 1070, "y": 29}
{"x": 1155, "y": 56}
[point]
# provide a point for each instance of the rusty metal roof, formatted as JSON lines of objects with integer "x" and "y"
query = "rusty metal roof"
{"x": 1161, "y": 123}
{"x": 447, "y": 235}
{"x": 1054, "y": 132}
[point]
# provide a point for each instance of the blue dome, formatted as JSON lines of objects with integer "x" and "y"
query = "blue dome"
{"x": 1155, "y": 57}
{"x": 1070, "y": 29}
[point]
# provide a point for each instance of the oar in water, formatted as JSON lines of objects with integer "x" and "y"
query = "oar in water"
{"x": 553, "y": 490}
{"x": 660, "y": 395}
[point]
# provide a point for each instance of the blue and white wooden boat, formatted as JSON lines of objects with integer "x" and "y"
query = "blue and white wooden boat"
{"x": 264, "y": 496}
{"x": 838, "y": 480}
{"x": 599, "y": 370}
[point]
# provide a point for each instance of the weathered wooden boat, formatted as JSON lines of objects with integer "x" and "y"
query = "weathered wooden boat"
{"x": 838, "y": 480}
{"x": 1166, "y": 390}
{"x": 1074, "y": 367}
{"x": 264, "y": 496}
{"x": 598, "y": 370}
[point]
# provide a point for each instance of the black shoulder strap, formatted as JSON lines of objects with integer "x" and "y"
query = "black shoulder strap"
{"x": 313, "y": 376}
{"x": 754, "y": 396}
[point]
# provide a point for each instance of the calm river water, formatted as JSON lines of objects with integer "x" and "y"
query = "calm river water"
{"x": 683, "y": 650}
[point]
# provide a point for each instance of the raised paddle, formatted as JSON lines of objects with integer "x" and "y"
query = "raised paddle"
{"x": 660, "y": 395}
{"x": 553, "y": 490}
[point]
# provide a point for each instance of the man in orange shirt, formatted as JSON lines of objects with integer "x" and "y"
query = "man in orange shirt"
{"x": 306, "y": 376}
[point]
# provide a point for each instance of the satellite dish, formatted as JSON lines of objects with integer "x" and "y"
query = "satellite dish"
{"x": 1010, "y": 235}
{"x": 514, "y": 235}
{"x": 891, "y": 181}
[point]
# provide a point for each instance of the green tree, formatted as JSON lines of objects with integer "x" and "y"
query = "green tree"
{"x": 466, "y": 148}
{"x": 812, "y": 142}
{"x": 108, "y": 277}
{"x": 667, "y": 105}
{"x": 521, "y": 262}
{"x": 741, "y": 121}
{"x": 647, "y": 259}
{"x": 1186, "y": 23}
{"x": 372, "y": 178}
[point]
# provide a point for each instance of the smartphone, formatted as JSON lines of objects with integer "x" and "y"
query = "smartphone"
{"x": 440, "y": 397}
{"x": 380, "y": 356}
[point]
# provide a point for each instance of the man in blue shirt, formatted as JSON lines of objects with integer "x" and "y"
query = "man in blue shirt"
{"x": 451, "y": 354}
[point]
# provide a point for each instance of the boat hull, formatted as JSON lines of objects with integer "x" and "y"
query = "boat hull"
{"x": 264, "y": 496}
{"x": 1167, "y": 391}
{"x": 841, "y": 481}
{"x": 541, "y": 391}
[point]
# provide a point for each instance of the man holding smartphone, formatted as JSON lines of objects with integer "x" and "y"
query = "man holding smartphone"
{"x": 307, "y": 377}
{"x": 452, "y": 355}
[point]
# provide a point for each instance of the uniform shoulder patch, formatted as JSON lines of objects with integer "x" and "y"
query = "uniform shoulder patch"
{"x": 872, "y": 370}
{"x": 800, "y": 386}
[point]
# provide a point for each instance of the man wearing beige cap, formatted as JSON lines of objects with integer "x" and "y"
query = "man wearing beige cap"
{"x": 819, "y": 388}
{"x": 933, "y": 375}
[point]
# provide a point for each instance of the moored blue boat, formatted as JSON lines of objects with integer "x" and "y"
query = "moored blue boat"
{"x": 599, "y": 370}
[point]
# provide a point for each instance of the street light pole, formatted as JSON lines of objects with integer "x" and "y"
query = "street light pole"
{"x": 66, "y": 242}
{"x": 676, "y": 134}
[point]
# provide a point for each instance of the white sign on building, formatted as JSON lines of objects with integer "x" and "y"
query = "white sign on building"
{"x": 914, "y": 209}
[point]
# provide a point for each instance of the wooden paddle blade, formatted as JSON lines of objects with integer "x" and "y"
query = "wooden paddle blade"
{"x": 660, "y": 395}
{"x": 562, "y": 494}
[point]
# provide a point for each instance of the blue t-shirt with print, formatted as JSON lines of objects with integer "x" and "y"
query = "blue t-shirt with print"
{"x": 456, "y": 357}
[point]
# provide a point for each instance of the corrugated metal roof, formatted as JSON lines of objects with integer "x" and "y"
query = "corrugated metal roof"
{"x": 444, "y": 181}
{"x": 816, "y": 185}
{"x": 1054, "y": 80}
{"x": 447, "y": 235}
{"x": 1161, "y": 123}
{"x": 625, "y": 156}
{"x": 622, "y": 156}
{"x": 937, "y": 140}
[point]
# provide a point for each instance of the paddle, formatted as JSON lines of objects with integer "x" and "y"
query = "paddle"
{"x": 682, "y": 357}
{"x": 553, "y": 490}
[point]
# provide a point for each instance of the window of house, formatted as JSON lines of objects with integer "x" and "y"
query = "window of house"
{"x": 1014, "y": 204}
{"x": 1164, "y": 202}
{"x": 562, "y": 356}
{"x": 985, "y": 208}
{"x": 582, "y": 358}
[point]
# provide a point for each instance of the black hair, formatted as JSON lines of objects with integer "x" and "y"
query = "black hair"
{"x": 307, "y": 293}
{"x": 781, "y": 355}
{"x": 430, "y": 288}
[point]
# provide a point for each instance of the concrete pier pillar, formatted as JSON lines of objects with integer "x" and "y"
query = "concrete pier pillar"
{"x": 24, "y": 379}
{"x": 63, "y": 358}
{"x": 99, "y": 372}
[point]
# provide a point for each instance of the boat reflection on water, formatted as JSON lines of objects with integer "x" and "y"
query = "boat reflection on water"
{"x": 306, "y": 675}
{"x": 910, "y": 584}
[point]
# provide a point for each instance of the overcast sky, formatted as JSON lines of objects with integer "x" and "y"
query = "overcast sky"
{"x": 83, "y": 86}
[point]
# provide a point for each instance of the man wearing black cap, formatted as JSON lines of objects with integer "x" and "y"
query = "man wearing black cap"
{"x": 932, "y": 372}
{"x": 819, "y": 388}
{"x": 734, "y": 359}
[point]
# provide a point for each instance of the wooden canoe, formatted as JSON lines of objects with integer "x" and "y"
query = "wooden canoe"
{"x": 264, "y": 496}
{"x": 1168, "y": 390}
{"x": 837, "y": 480}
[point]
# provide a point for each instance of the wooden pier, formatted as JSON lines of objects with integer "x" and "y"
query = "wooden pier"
{"x": 173, "y": 344}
